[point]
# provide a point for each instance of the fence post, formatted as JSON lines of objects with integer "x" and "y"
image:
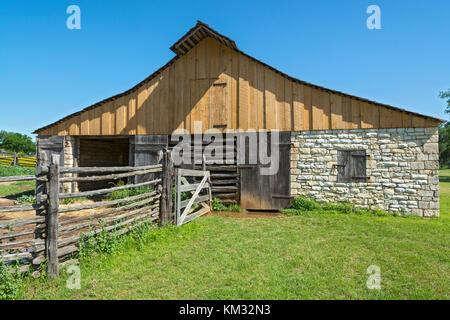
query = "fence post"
{"x": 165, "y": 210}
{"x": 52, "y": 220}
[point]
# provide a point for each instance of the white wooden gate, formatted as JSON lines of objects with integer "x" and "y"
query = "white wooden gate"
{"x": 189, "y": 212}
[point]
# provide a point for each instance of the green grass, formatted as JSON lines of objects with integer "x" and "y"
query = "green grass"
{"x": 314, "y": 256}
{"x": 444, "y": 194}
{"x": 20, "y": 189}
{"x": 16, "y": 171}
{"x": 15, "y": 190}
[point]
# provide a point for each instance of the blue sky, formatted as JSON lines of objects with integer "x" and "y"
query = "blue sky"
{"x": 48, "y": 71}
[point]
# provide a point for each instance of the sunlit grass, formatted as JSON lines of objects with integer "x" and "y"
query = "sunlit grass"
{"x": 316, "y": 256}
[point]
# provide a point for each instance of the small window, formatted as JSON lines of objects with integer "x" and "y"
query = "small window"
{"x": 352, "y": 166}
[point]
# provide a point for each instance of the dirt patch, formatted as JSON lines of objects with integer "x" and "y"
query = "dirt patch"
{"x": 6, "y": 202}
{"x": 32, "y": 213}
{"x": 248, "y": 214}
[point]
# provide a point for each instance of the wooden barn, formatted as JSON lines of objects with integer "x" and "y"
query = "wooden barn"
{"x": 333, "y": 146}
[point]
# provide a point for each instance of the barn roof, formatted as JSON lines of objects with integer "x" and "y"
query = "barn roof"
{"x": 199, "y": 32}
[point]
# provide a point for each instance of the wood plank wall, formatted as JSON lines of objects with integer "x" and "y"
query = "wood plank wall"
{"x": 224, "y": 88}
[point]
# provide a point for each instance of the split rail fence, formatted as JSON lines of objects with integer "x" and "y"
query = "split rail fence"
{"x": 51, "y": 228}
{"x": 10, "y": 160}
{"x": 53, "y": 233}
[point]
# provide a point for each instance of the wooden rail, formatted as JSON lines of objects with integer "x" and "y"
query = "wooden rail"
{"x": 54, "y": 233}
{"x": 10, "y": 160}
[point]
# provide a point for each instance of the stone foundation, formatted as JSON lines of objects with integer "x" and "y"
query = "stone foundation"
{"x": 402, "y": 166}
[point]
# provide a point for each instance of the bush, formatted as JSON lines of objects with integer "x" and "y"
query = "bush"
{"x": 120, "y": 194}
{"x": 108, "y": 241}
{"x": 303, "y": 203}
{"x": 26, "y": 198}
{"x": 11, "y": 281}
{"x": 217, "y": 205}
{"x": 303, "y": 206}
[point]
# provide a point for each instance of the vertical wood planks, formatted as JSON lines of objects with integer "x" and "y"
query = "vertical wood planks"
{"x": 298, "y": 106}
{"x": 189, "y": 87}
{"x": 140, "y": 110}
{"x": 132, "y": 121}
{"x": 252, "y": 109}
{"x": 288, "y": 119}
{"x": 346, "y": 113}
{"x": 317, "y": 110}
{"x": 179, "y": 93}
{"x": 234, "y": 88}
{"x": 325, "y": 104}
{"x": 269, "y": 97}
{"x": 279, "y": 102}
{"x": 356, "y": 114}
{"x": 84, "y": 124}
{"x": 367, "y": 119}
{"x": 243, "y": 121}
{"x": 259, "y": 96}
{"x": 307, "y": 118}
{"x": 336, "y": 111}
{"x": 227, "y": 76}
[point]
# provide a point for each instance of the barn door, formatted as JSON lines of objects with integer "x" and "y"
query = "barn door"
{"x": 219, "y": 111}
{"x": 264, "y": 192}
{"x": 147, "y": 150}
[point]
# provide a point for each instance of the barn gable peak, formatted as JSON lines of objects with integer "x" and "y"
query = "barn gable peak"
{"x": 199, "y": 32}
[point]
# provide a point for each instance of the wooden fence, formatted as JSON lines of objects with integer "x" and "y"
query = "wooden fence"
{"x": 9, "y": 160}
{"x": 54, "y": 232}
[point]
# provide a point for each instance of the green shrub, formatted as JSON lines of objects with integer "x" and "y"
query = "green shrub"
{"x": 217, "y": 205}
{"x": 343, "y": 207}
{"x": 303, "y": 205}
{"x": 26, "y": 198}
{"x": 120, "y": 194}
{"x": 11, "y": 281}
{"x": 108, "y": 241}
{"x": 103, "y": 242}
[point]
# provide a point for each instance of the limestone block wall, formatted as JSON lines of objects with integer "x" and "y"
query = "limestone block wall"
{"x": 402, "y": 165}
{"x": 70, "y": 160}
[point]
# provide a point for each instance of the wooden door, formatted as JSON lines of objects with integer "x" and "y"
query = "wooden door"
{"x": 267, "y": 192}
{"x": 219, "y": 112}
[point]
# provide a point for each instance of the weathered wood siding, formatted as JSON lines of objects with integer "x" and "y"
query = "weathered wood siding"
{"x": 224, "y": 87}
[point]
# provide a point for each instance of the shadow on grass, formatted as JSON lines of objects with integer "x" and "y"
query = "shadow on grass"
{"x": 444, "y": 178}
{"x": 15, "y": 196}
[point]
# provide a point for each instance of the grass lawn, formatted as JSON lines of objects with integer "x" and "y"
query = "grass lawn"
{"x": 13, "y": 190}
{"x": 317, "y": 256}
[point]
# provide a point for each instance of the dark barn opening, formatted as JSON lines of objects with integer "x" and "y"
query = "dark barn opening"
{"x": 102, "y": 152}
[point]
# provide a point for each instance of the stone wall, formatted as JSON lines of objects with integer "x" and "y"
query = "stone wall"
{"x": 70, "y": 160}
{"x": 402, "y": 165}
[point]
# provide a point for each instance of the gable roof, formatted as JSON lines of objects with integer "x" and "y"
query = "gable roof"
{"x": 189, "y": 40}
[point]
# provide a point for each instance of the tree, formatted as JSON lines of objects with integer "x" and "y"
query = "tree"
{"x": 16, "y": 142}
{"x": 446, "y": 95}
{"x": 444, "y": 133}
